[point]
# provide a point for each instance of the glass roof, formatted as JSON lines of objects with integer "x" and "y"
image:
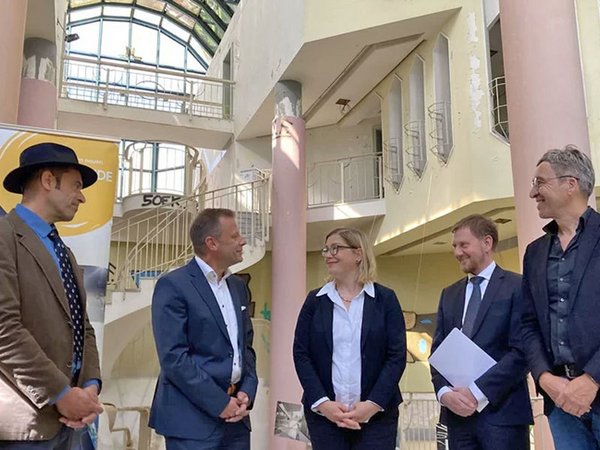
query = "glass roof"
{"x": 194, "y": 21}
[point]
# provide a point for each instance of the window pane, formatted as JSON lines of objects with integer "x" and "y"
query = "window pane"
{"x": 117, "y": 11}
{"x": 172, "y": 54}
{"x": 88, "y": 38}
{"x": 115, "y": 39}
{"x": 146, "y": 16}
{"x": 171, "y": 156}
{"x": 144, "y": 41}
{"x": 171, "y": 181}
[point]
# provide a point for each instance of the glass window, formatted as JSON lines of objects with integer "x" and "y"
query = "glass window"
{"x": 145, "y": 42}
{"x": 172, "y": 54}
{"x": 88, "y": 38}
{"x": 115, "y": 39}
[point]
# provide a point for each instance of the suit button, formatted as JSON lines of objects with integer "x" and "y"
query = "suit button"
{"x": 231, "y": 355}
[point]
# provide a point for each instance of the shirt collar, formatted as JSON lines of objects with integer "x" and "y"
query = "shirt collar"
{"x": 33, "y": 221}
{"x": 552, "y": 227}
{"x": 329, "y": 289}
{"x": 486, "y": 273}
{"x": 209, "y": 272}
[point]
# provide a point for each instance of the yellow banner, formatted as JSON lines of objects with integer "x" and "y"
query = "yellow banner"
{"x": 102, "y": 156}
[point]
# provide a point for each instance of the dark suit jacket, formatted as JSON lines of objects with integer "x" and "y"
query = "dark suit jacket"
{"x": 584, "y": 316}
{"x": 497, "y": 331}
{"x": 195, "y": 353}
{"x": 36, "y": 335}
{"x": 383, "y": 348}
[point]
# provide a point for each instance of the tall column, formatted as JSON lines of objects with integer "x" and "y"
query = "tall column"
{"x": 546, "y": 105}
{"x": 12, "y": 35}
{"x": 289, "y": 249}
{"x": 38, "y": 99}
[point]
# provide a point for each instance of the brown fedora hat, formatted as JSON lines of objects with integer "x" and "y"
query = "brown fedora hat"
{"x": 47, "y": 154}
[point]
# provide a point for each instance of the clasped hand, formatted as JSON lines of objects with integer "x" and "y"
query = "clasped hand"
{"x": 345, "y": 417}
{"x": 237, "y": 408}
{"x": 572, "y": 396}
{"x": 460, "y": 401}
{"x": 79, "y": 407}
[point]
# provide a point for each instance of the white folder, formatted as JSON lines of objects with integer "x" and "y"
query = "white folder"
{"x": 460, "y": 360}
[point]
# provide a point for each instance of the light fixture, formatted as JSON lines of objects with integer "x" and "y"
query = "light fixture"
{"x": 71, "y": 37}
{"x": 502, "y": 221}
{"x": 344, "y": 104}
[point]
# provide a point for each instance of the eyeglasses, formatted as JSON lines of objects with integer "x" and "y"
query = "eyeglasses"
{"x": 333, "y": 249}
{"x": 538, "y": 182}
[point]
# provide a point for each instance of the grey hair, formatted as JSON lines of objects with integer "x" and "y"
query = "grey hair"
{"x": 571, "y": 161}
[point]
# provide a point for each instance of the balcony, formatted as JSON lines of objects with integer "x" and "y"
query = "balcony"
{"x": 346, "y": 188}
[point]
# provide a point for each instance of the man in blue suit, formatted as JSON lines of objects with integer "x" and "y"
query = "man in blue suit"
{"x": 203, "y": 336}
{"x": 561, "y": 290}
{"x": 494, "y": 412}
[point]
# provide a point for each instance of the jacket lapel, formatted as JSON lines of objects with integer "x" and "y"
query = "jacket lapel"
{"x": 587, "y": 242}
{"x": 539, "y": 283}
{"x": 459, "y": 306}
{"x": 237, "y": 306}
{"x": 367, "y": 318}
{"x": 488, "y": 297}
{"x": 30, "y": 241}
{"x": 200, "y": 282}
{"x": 326, "y": 305}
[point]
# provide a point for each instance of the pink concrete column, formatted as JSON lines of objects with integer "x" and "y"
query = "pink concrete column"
{"x": 289, "y": 249}
{"x": 546, "y": 105}
{"x": 12, "y": 35}
{"x": 38, "y": 99}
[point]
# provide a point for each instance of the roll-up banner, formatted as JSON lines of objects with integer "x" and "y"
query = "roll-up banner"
{"x": 88, "y": 234}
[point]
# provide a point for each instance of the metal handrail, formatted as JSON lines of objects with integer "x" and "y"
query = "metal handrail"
{"x": 132, "y": 167}
{"x": 126, "y": 84}
{"x": 441, "y": 134}
{"x": 154, "y": 241}
{"x": 342, "y": 180}
{"x": 394, "y": 162}
{"x": 415, "y": 132}
{"x": 499, "y": 107}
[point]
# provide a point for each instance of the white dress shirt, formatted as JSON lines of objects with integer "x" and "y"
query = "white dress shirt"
{"x": 346, "y": 358}
{"x": 223, "y": 296}
{"x": 486, "y": 274}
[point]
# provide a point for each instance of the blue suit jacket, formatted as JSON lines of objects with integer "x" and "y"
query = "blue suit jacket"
{"x": 584, "y": 296}
{"x": 497, "y": 331}
{"x": 383, "y": 348}
{"x": 195, "y": 353}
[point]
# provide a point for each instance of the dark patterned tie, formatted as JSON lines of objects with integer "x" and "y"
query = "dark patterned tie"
{"x": 72, "y": 292}
{"x": 473, "y": 306}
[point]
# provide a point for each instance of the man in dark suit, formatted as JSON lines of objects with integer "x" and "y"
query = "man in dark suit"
{"x": 493, "y": 412}
{"x": 561, "y": 293}
{"x": 49, "y": 370}
{"x": 203, "y": 336}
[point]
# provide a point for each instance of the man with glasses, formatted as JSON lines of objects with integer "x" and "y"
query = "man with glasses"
{"x": 561, "y": 294}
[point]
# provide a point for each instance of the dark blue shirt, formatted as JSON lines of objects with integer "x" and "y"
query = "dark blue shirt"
{"x": 560, "y": 266}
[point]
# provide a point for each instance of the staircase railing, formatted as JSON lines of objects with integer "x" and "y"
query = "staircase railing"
{"x": 155, "y": 241}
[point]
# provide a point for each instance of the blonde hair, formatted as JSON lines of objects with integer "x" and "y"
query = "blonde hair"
{"x": 367, "y": 268}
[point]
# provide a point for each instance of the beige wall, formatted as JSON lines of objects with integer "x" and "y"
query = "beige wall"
{"x": 479, "y": 166}
{"x": 588, "y": 18}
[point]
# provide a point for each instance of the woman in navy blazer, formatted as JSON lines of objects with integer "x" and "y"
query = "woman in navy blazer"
{"x": 350, "y": 351}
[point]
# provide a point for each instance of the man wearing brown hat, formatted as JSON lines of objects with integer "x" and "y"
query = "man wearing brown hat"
{"x": 49, "y": 370}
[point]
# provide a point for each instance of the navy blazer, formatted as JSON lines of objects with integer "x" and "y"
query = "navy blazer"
{"x": 584, "y": 296}
{"x": 497, "y": 330}
{"x": 195, "y": 353}
{"x": 383, "y": 348}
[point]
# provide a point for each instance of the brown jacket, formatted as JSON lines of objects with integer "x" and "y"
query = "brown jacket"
{"x": 36, "y": 340}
